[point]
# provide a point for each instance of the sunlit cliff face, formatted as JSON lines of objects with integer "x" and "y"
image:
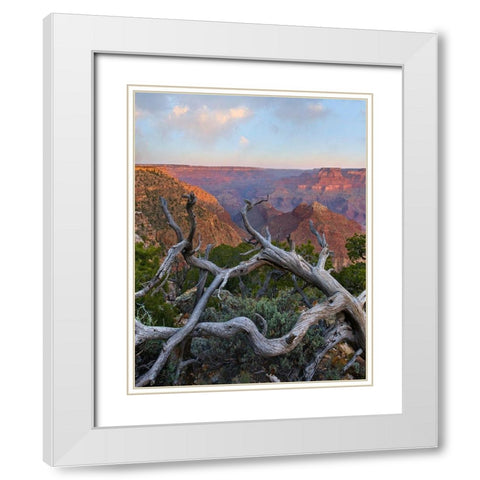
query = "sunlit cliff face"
{"x": 334, "y": 199}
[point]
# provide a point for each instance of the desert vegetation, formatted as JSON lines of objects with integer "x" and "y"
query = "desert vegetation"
{"x": 260, "y": 311}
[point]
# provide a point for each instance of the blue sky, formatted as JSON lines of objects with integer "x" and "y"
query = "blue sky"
{"x": 240, "y": 130}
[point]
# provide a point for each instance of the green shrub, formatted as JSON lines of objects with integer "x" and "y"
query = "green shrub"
{"x": 152, "y": 309}
{"x": 353, "y": 277}
{"x": 226, "y": 361}
{"x": 234, "y": 361}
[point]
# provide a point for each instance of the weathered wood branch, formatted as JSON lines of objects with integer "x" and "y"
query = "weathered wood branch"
{"x": 199, "y": 245}
{"x": 268, "y": 235}
{"x": 270, "y": 274}
{"x": 265, "y": 347}
{"x": 203, "y": 263}
{"x": 182, "y": 365}
{"x": 339, "y": 302}
{"x": 322, "y": 241}
{"x": 320, "y": 238}
{"x": 273, "y": 347}
{"x": 291, "y": 243}
{"x": 170, "y": 220}
{"x": 191, "y": 201}
{"x": 300, "y": 291}
{"x": 164, "y": 268}
{"x": 264, "y": 328}
{"x": 272, "y": 378}
{"x": 339, "y": 333}
{"x": 362, "y": 298}
{"x": 318, "y": 277}
{"x": 255, "y": 235}
{"x": 243, "y": 268}
{"x": 352, "y": 360}
{"x": 243, "y": 288}
{"x": 149, "y": 377}
{"x": 244, "y": 254}
{"x": 203, "y": 276}
{"x": 145, "y": 332}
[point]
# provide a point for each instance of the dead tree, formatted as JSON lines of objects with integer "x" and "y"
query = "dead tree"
{"x": 349, "y": 311}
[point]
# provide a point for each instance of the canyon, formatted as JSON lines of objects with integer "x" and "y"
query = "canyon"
{"x": 333, "y": 198}
{"x": 342, "y": 190}
{"x": 151, "y": 228}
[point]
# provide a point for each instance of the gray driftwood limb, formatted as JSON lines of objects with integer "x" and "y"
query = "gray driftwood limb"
{"x": 263, "y": 346}
{"x": 349, "y": 310}
{"x": 149, "y": 377}
{"x": 352, "y": 360}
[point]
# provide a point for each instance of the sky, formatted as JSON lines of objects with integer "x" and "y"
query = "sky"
{"x": 250, "y": 131}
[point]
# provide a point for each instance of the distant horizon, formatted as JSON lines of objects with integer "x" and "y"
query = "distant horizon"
{"x": 243, "y": 166}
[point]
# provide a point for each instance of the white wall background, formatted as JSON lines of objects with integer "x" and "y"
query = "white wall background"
{"x": 21, "y": 226}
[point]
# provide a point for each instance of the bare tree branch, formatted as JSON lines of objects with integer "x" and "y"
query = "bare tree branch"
{"x": 320, "y": 238}
{"x": 255, "y": 235}
{"x": 145, "y": 332}
{"x": 191, "y": 201}
{"x": 199, "y": 246}
{"x": 338, "y": 334}
{"x": 164, "y": 268}
{"x": 203, "y": 276}
{"x": 352, "y": 360}
{"x": 243, "y": 288}
{"x": 268, "y": 235}
{"x": 362, "y": 298}
{"x": 270, "y": 274}
{"x": 299, "y": 290}
{"x": 272, "y": 378}
{"x": 264, "y": 328}
{"x": 244, "y": 254}
{"x": 170, "y": 220}
{"x": 266, "y": 347}
{"x": 325, "y": 252}
{"x": 291, "y": 243}
{"x": 340, "y": 302}
{"x": 182, "y": 365}
{"x": 149, "y": 377}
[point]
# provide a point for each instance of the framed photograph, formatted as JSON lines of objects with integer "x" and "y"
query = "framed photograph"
{"x": 240, "y": 240}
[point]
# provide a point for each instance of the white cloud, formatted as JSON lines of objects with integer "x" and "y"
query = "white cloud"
{"x": 179, "y": 110}
{"x": 244, "y": 141}
{"x": 316, "y": 108}
{"x": 206, "y": 123}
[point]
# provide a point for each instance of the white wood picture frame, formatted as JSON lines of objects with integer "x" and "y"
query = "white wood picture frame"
{"x": 70, "y": 44}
